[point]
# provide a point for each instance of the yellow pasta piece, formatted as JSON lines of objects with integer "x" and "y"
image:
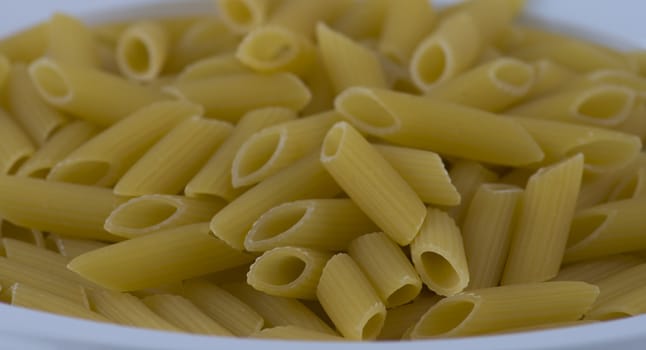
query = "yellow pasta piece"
{"x": 424, "y": 171}
{"x": 294, "y": 333}
{"x": 278, "y": 311}
{"x": 87, "y": 93}
{"x": 151, "y": 213}
{"x": 214, "y": 66}
{"x": 438, "y": 254}
{"x": 349, "y": 299}
{"x": 549, "y": 76}
{"x": 171, "y": 163}
{"x": 304, "y": 179}
{"x": 184, "y": 315}
{"x": 70, "y": 41}
{"x": 67, "y": 209}
{"x": 467, "y": 176}
{"x": 271, "y": 49}
{"x": 142, "y": 50}
{"x": 347, "y": 62}
{"x": 25, "y": 45}
{"x": 271, "y": 149}
{"x": 388, "y": 269}
{"x": 632, "y": 183}
{"x": 229, "y": 97}
{"x": 619, "y": 284}
{"x": 302, "y": 17}
{"x": 28, "y": 296}
{"x": 494, "y": 309}
{"x": 541, "y": 234}
{"x": 603, "y": 105}
{"x": 492, "y": 86}
{"x": 127, "y": 310}
{"x": 487, "y": 232}
{"x": 632, "y": 303}
{"x": 71, "y": 248}
{"x": 402, "y": 318}
{"x": 214, "y": 179}
{"x": 244, "y": 16}
{"x": 594, "y": 270}
{"x": 610, "y": 228}
{"x": 59, "y": 146}
{"x": 320, "y": 86}
{"x": 291, "y": 272}
{"x": 167, "y": 256}
{"x": 426, "y": 123}
{"x": 372, "y": 183}
{"x": 328, "y": 224}
{"x": 492, "y": 16}
{"x": 106, "y": 157}
{"x": 15, "y": 147}
{"x": 227, "y": 310}
{"x": 362, "y": 19}
{"x": 405, "y": 24}
{"x": 604, "y": 150}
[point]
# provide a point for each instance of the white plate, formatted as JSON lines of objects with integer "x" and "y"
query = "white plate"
{"x": 618, "y": 23}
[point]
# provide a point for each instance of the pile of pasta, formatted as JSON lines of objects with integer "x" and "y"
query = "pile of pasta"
{"x": 323, "y": 170}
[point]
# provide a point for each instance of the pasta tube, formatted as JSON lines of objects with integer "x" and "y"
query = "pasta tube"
{"x": 15, "y": 147}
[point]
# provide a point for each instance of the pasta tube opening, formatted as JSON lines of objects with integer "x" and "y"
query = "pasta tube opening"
{"x": 432, "y": 63}
{"x": 605, "y": 105}
{"x": 278, "y": 221}
{"x": 279, "y": 269}
{"x": 604, "y": 155}
{"x": 256, "y": 155}
{"x": 373, "y": 326}
{"x": 404, "y": 294}
{"x": 584, "y": 227}
{"x": 440, "y": 271}
{"x": 333, "y": 141}
{"x": 241, "y": 15}
{"x": 50, "y": 81}
{"x": 83, "y": 172}
{"x": 270, "y": 49}
{"x": 445, "y": 317}
{"x": 513, "y": 76}
{"x": 365, "y": 110}
{"x": 137, "y": 55}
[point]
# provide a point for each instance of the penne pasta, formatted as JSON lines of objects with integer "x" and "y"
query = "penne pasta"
{"x": 619, "y": 284}
{"x": 15, "y": 147}
{"x": 25, "y": 45}
{"x": 632, "y": 303}
{"x": 184, "y": 315}
{"x": 214, "y": 179}
{"x": 271, "y": 49}
{"x": 127, "y": 310}
{"x": 273, "y": 148}
{"x": 225, "y": 309}
{"x": 347, "y": 62}
{"x": 304, "y": 179}
{"x": 487, "y": 232}
{"x": 167, "y": 256}
{"x": 151, "y": 213}
{"x": 67, "y": 209}
{"x": 210, "y": 67}
{"x": 388, "y": 269}
{"x": 594, "y": 270}
{"x": 492, "y": 86}
{"x": 328, "y": 224}
{"x": 142, "y": 50}
{"x": 39, "y": 120}
{"x": 24, "y": 295}
{"x": 294, "y": 333}
{"x": 229, "y": 97}
{"x": 88, "y": 93}
{"x": 301, "y": 17}
{"x": 103, "y": 159}
{"x": 425, "y": 123}
{"x": 541, "y": 234}
{"x": 243, "y": 16}
{"x": 610, "y": 228}
{"x": 349, "y": 299}
{"x": 405, "y": 24}
{"x": 604, "y": 150}
{"x": 402, "y": 318}
{"x": 424, "y": 171}
{"x": 278, "y": 311}
{"x": 290, "y": 272}
{"x": 495, "y": 309}
{"x": 70, "y": 41}
{"x": 362, "y": 19}
{"x": 438, "y": 254}
{"x": 56, "y": 148}
{"x": 171, "y": 163}
{"x": 372, "y": 183}
{"x": 467, "y": 176}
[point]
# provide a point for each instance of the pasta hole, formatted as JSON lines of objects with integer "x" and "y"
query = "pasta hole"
{"x": 372, "y": 328}
{"x": 333, "y": 141}
{"x": 584, "y": 226}
{"x": 16, "y": 165}
{"x": 439, "y": 270}
{"x": 279, "y": 222}
{"x": 137, "y": 55}
{"x": 444, "y": 317}
{"x": 83, "y": 172}
{"x": 606, "y": 154}
{"x": 606, "y": 104}
{"x": 280, "y": 270}
{"x": 270, "y": 46}
{"x": 143, "y": 214}
{"x": 403, "y": 295}
{"x": 432, "y": 64}
{"x": 50, "y": 80}
{"x": 514, "y": 75}
{"x": 238, "y": 11}
{"x": 365, "y": 110}
{"x": 256, "y": 155}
